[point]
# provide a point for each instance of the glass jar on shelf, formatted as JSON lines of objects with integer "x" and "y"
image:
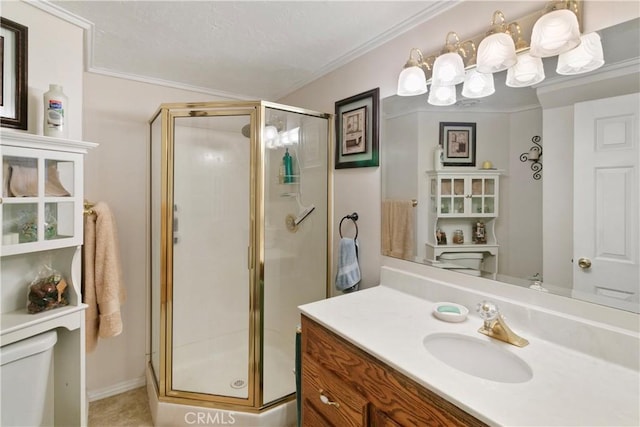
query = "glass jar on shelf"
{"x": 458, "y": 237}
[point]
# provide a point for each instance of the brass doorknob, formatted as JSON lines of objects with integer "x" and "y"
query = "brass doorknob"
{"x": 584, "y": 263}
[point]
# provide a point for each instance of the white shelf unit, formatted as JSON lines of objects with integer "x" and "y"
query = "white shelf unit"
{"x": 41, "y": 224}
{"x": 459, "y": 198}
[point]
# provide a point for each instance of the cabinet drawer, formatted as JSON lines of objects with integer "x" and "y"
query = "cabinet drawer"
{"x": 347, "y": 407}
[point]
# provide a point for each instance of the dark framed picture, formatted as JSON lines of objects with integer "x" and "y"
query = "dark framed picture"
{"x": 458, "y": 141}
{"x": 13, "y": 96}
{"x": 357, "y": 130}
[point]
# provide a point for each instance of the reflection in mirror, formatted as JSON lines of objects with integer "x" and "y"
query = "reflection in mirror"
{"x": 535, "y": 235}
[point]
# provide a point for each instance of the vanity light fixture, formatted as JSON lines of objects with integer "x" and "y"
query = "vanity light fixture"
{"x": 285, "y": 138}
{"x": 271, "y": 136}
{"x": 497, "y": 51}
{"x": 413, "y": 80}
{"x": 528, "y": 71}
{"x": 448, "y": 68}
{"x": 588, "y": 56}
{"x": 442, "y": 95}
{"x": 556, "y": 31}
{"x": 533, "y": 155}
{"x": 477, "y": 85}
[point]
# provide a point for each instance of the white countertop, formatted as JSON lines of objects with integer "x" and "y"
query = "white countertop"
{"x": 568, "y": 388}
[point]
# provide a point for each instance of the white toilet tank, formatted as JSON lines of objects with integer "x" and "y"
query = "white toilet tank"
{"x": 26, "y": 375}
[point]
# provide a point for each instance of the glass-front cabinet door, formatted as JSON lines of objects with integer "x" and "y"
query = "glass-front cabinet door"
{"x": 460, "y": 196}
{"x": 41, "y": 208}
{"x": 483, "y": 195}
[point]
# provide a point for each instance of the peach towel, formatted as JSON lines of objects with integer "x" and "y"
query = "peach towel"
{"x": 397, "y": 228}
{"x": 103, "y": 290}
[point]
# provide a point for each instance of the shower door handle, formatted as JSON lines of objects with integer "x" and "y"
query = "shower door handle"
{"x": 176, "y": 237}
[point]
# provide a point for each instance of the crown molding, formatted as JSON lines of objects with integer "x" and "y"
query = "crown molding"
{"x": 171, "y": 84}
{"x": 89, "y": 31}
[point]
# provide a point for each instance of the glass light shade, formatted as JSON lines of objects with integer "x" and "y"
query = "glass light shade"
{"x": 496, "y": 52}
{"x": 283, "y": 139}
{"x": 528, "y": 71}
{"x": 588, "y": 56}
{"x": 555, "y": 33}
{"x": 442, "y": 95}
{"x": 270, "y": 135}
{"x": 294, "y": 135}
{"x": 448, "y": 70}
{"x": 477, "y": 85}
{"x": 412, "y": 81}
{"x": 270, "y": 132}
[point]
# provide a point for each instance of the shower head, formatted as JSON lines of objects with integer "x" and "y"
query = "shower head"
{"x": 246, "y": 130}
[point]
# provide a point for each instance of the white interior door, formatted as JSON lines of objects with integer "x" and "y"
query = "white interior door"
{"x": 606, "y": 265}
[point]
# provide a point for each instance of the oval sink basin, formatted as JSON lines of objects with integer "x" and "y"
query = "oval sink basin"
{"x": 478, "y": 358}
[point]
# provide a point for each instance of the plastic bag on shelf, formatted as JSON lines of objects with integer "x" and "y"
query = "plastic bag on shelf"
{"x": 47, "y": 291}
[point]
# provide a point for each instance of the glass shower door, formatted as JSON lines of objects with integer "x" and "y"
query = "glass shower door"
{"x": 210, "y": 278}
{"x": 295, "y": 239}
{"x": 238, "y": 242}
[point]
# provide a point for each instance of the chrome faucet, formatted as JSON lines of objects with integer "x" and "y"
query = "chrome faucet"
{"x": 495, "y": 326}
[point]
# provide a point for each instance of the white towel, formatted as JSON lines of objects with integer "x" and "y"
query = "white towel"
{"x": 348, "y": 275}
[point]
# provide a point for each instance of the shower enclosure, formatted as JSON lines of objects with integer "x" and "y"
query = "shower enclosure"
{"x": 239, "y": 239}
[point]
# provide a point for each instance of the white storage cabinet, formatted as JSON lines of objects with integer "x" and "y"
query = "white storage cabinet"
{"x": 42, "y": 220}
{"x": 458, "y": 199}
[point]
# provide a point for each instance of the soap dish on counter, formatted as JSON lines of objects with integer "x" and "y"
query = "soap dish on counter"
{"x": 450, "y": 311}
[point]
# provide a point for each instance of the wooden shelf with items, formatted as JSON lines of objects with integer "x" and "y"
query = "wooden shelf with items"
{"x": 41, "y": 211}
{"x": 462, "y": 202}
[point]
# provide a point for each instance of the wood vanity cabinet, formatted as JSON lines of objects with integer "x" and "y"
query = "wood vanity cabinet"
{"x": 344, "y": 386}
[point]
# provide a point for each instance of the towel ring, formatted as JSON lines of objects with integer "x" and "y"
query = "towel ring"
{"x": 353, "y": 217}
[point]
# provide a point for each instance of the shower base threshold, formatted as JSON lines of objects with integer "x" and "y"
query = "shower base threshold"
{"x": 167, "y": 414}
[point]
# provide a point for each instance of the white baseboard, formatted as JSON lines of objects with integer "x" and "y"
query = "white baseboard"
{"x": 93, "y": 395}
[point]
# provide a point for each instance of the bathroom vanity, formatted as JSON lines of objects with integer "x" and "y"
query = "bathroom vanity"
{"x": 349, "y": 387}
{"x": 365, "y": 360}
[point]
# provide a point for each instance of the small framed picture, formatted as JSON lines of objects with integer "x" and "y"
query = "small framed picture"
{"x": 458, "y": 142}
{"x": 357, "y": 130}
{"x": 13, "y": 69}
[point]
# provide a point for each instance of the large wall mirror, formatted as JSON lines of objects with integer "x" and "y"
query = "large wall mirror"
{"x": 571, "y": 228}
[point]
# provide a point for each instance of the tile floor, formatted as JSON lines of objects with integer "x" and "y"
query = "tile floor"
{"x": 129, "y": 409}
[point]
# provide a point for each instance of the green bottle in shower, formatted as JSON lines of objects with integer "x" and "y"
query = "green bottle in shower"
{"x": 288, "y": 166}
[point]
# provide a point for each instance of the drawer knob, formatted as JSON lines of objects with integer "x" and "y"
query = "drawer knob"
{"x": 324, "y": 399}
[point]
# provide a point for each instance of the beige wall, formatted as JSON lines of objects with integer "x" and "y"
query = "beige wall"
{"x": 116, "y": 113}
{"x": 54, "y": 56}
